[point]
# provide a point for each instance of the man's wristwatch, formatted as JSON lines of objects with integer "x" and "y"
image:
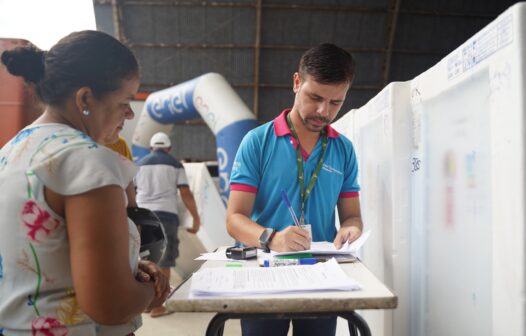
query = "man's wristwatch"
{"x": 266, "y": 238}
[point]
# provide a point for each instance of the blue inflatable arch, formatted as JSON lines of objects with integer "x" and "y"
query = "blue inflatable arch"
{"x": 209, "y": 97}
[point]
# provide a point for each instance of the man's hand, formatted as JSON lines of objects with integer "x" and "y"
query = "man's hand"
{"x": 195, "y": 227}
{"x": 347, "y": 233}
{"x": 292, "y": 238}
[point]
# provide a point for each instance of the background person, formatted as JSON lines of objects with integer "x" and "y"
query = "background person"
{"x": 300, "y": 153}
{"x": 120, "y": 146}
{"x": 69, "y": 252}
{"x": 159, "y": 178}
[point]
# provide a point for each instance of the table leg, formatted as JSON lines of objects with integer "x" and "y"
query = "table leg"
{"x": 356, "y": 322}
{"x": 353, "y": 331}
{"x": 216, "y": 326}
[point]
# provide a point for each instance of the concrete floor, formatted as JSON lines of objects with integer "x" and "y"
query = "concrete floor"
{"x": 182, "y": 324}
{"x": 194, "y": 324}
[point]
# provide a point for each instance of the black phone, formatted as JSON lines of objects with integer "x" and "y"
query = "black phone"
{"x": 241, "y": 253}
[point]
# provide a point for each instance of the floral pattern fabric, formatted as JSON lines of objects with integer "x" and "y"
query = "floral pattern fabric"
{"x": 35, "y": 276}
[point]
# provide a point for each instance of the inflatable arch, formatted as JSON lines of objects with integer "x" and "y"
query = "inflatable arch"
{"x": 208, "y": 96}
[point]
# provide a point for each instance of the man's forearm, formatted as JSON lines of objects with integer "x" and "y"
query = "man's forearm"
{"x": 353, "y": 221}
{"x": 243, "y": 229}
{"x": 189, "y": 202}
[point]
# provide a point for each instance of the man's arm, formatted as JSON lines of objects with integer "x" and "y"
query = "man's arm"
{"x": 243, "y": 229}
{"x": 189, "y": 202}
{"x": 238, "y": 223}
{"x": 351, "y": 225}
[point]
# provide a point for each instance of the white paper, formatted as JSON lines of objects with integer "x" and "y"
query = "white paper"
{"x": 219, "y": 255}
{"x": 265, "y": 280}
{"x": 356, "y": 245}
{"x": 329, "y": 248}
{"x": 213, "y": 256}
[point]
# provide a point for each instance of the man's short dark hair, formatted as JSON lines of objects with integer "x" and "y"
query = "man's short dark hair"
{"x": 327, "y": 64}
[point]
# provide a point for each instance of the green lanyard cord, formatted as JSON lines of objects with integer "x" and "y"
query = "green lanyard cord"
{"x": 304, "y": 193}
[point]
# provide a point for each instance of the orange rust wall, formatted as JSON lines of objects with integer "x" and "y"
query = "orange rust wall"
{"x": 18, "y": 106}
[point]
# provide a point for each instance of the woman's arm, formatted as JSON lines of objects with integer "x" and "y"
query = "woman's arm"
{"x": 98, "y": 234}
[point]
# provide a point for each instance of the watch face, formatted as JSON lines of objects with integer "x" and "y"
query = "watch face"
{"x": 263, "y": 239}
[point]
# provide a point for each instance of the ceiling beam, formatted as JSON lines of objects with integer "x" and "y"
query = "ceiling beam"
{"x": 160, "y": 85}
{"x": 280, "y": 47}
{"x": 257, "y": 50}
{"x": 299, "y": 6}
{"x": 117, "y": 20}
{"x": 239, "y": 46}
{"x": 394, "y": 8}
{"x": 233, "y": 4}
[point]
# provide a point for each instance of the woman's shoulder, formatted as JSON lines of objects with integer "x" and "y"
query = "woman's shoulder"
{"x": 70, "y": 162}
{"x": 56, "y": 141}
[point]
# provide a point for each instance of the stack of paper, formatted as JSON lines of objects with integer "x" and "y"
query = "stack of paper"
{"x": 328, "y": 276}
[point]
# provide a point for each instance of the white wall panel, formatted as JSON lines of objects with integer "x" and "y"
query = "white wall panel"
{"x": 380, "y": 132}
{"x": 471, "y": 109}
{"x": 442, "y": 174}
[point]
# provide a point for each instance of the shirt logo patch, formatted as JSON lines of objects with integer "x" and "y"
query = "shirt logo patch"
{"x": 331, "y": 170}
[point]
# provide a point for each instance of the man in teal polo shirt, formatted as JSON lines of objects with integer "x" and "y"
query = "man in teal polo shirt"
{"x": 300, "y": 154}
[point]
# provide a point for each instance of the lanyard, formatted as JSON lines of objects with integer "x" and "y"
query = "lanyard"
{"x": 304, "y": 193}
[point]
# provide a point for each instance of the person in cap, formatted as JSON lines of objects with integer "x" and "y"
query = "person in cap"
{"x": 159, "y": 178}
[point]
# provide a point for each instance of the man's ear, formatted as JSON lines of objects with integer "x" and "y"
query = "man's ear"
{"x": 296, "y": 82}
{"x": 82, "y": 98}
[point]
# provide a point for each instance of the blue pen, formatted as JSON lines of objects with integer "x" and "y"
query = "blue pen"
{"x": 289, "y": 206}
{"x": 289, "y": 262}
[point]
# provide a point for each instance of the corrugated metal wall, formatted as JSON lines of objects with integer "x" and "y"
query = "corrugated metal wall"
{"x": 256, "y": 45}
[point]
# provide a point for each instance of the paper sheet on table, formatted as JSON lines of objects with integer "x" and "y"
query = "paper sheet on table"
{"x": 266, "y": 280}
{"x": 329, "y": 248}
{"x": 217, "y": 255}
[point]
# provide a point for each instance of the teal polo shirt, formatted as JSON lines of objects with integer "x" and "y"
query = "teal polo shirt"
{"x": 265, "y": 164}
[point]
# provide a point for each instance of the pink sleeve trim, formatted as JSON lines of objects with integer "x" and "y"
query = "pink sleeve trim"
{"x": 349, "y": 194}
{"x": 243, "y": 187}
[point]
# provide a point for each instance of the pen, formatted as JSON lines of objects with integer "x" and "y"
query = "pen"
{"x": 289, "y": 206}
{"x": 295, "y": 256}
{"x": 289, "y": 262}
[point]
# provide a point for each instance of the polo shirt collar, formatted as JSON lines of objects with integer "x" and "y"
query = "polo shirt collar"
{"x": 281, "y": 128}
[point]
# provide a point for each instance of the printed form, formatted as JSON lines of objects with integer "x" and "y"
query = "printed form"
{"x": 325, "y": 247}
{"x": 257, "y": 280}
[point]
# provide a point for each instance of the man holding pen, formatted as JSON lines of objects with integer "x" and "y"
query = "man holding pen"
{"x": 299, "y": 154}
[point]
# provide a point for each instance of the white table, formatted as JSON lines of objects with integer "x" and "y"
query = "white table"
{"x": 374, "y": 295}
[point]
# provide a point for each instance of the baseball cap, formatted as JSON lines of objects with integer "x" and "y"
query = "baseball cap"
{"x": 160, "y": 140}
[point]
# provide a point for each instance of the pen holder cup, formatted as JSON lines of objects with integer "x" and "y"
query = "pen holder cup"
{"x": 308, "y": 228}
